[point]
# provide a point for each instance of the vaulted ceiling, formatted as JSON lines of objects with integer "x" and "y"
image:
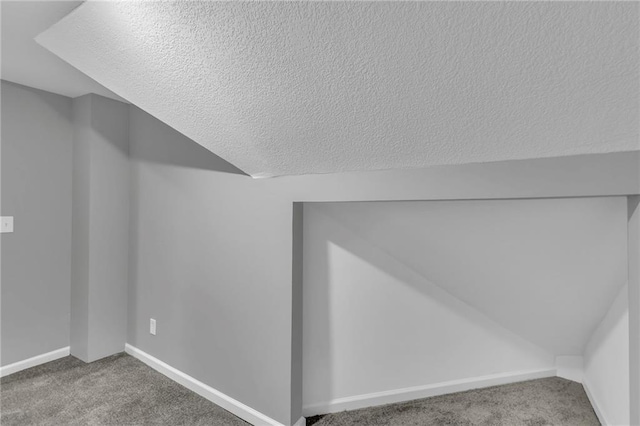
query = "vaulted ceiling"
{"x": 280, "y": 88}
{"x": 26, "y": 62}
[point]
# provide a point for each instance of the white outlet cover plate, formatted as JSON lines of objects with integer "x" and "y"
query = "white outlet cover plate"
{"x": 6, "y": 224}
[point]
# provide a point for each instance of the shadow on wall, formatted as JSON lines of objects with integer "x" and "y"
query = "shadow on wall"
{"x": 164, "y": 145}
{"x": 632, "y": 205}
{"x": 508, "y": 258}
{"x": 372, "y": 254}
{"x": 159, "y": 144}
{"x": 365, "y": 334}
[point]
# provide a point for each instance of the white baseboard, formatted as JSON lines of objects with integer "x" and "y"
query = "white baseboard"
{"x": 301, "y": 422}
{"x": 232, "y": 405}
{"x": 33, "y": 361}
{"x": 417, "y": 392}
{"x": 601, "y": 416}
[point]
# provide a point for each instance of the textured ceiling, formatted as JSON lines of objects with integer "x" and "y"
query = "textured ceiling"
{"x": 281, "y": 88}
{"x": 26, "y": 62}
{"x": 548, "y": 270}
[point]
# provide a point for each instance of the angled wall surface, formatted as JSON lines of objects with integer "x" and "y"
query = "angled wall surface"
{"x": 406, "y": 294}
{"x": 522, "y": 263}
{"x": 373, "y": 323}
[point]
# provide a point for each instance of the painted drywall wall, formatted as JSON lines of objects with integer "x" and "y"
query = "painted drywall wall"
{"x": 606, "y": 362}
{"x": 36, "y": 190}
{"x": 319, "y": 87}
{"x": 211, "y": 262}
{"x": 633, "y": 253}
{"x": 100, "y": 227}
{"x": 373, "y": 323}
{"x": 81, "y": 120}
{"x": 297, "y": 301}
{"x": 109, "y": 226}
{"x": 517, "y": 257}
{"x": 211, "y": 248}
{"x": 570, "y": 367}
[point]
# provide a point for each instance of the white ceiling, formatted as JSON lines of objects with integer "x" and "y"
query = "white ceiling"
{"x": 548, "y": 270}
{"x": 26, "y": 62}
{"x": 280, "y": 88}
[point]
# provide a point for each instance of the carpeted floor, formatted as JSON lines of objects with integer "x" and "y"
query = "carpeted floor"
{"x": 118, "y": 390}
{"x": 553, "y": 401}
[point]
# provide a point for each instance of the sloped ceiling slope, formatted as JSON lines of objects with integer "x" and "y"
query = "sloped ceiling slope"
{"x": 280, "y": 88}
{"x": 547, "y": 270}
{"x": 27, "y": 63}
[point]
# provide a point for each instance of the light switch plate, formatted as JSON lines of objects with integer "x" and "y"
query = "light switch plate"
{"x": 6, "y": 224}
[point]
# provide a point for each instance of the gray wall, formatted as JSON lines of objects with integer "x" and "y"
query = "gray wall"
{"x": 211, "y": 249}
{"x": 36, "y": 189}
{"x": 65, "y": 178}
{"x": 416, "y": 273}
{"x": 80, "y": 229}
{"x": 100, "y": 227}
{"x": 207, "y": 263}
{"x": 633, "y": 252}
{"x": 606, "y": 362}
{"x": 522, "y": 253}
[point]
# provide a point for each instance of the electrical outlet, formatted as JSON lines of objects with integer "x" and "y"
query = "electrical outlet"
{"x": 152, "y": 326}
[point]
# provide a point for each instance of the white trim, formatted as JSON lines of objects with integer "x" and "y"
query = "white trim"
{"x": 33, "y": 361}
{"x": 301, "y": 422}
{"x": 599, "y": 413}
{"x": 232, "y": 405}
{"x": 417, "y": 392}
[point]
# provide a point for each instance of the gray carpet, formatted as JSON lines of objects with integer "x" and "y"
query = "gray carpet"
{"x": 552, "y": 401}
{"x": 118, "y": 390}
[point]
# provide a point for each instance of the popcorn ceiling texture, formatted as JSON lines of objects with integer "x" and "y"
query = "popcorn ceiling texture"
{"x": 294, "y": 88}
